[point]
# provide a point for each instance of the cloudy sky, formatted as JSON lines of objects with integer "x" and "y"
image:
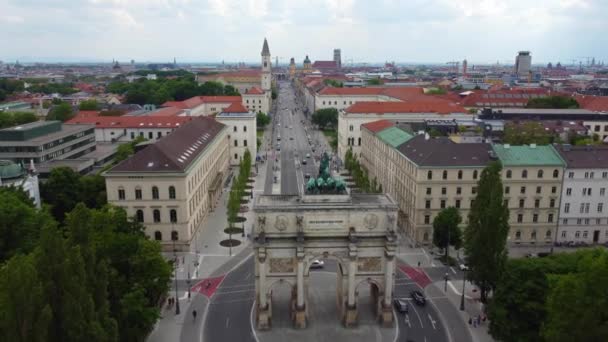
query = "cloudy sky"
{"x": 366, "y": 30}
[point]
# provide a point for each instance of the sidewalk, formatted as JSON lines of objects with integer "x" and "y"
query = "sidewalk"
{"x": 472, "y": 308}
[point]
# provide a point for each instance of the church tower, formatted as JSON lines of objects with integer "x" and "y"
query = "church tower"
{"x": 292, "y": 67}
{"x": 266, "y": 68}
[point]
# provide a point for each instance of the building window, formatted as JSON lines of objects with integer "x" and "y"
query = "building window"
{"x": 139, "y": 215}
{"x": 236, "y": 156}
{"x": 475, "y": 174}
{"x": 150, "y": 135}
{"x": 563, "y": 234}
{"x": 582, "y": 208}
{"x": 174, "y": 235}
{"x": 533, "y": 235}
{"x": 569, "y": 192}
{"x": 445, "y": 174}
{"x": 565, "y": 221}
{"x": 351, "y": 127}
{"x": 236, "y": 143}
{"x": 535, "y": 218}
{"x": 602, "y": 191}
{"x": 536, "y": 203}
{"x": 121, "y": 194}
{"x": 444, "y": 191}
{"x": 518, "y": 235}
{"x": 132, "y": 135}
{"x": 457, "y": 204}
{"x": 505, "y": 203}
{"x": 474, "y": 190}
{"x": 173, "y": 215}
{"x": 524, "y": 174}
{"x": 172, "y": 192}
{"x": 555, "y": 173}
{"x": 138, "y": 193}
{"x": 442, "y": 204}
{"x": 359, "y": 141}
{"x": 540, "y": 174}
{"x": 472, "y": 203}
{"x": 159, "y": 135}
{"x": 427, "y": 204}
{"x": 428, "y": 191}
{"x": 552, "y": 203}
{"x": 585, "y": 234}
{"x": 507, "y": 190}
{"x": 586, "y": 175}
{"x": 570, "y": 174}
{"x": 244, "y": 128}
{"x": 586, "y": 208}
{"x": 425, "y": 237}
{"x": 550, "y": 218}
{"x": 538, "y": 189}
{"x": 553, "y": 189}
{"x": 520, "y": 218}
{"x": 156, "y": 215}
{"x": 522, "y": 190}
{"x": 158, "y": 236}
{"x": 522, "y": 202}
{"x": 427, "y": 219}
{"x": 154, "y": 192}
{"x": 509, "y": 173}
{"x": 458, "y": 190}
{"x": 577, "y": 234}
{"x": 234, "y": 129}
{"x": 605, "y": 175}
{"x": 567, "y": 208}
{"x": 245, "y": 142}
{"x": 600, "y": 207}
{"x": 459, "y": 174}
{"x": 429, "y": 175}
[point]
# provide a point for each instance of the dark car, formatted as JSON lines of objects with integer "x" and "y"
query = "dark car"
{"x": 418, "y": 297}
{"x": 400, "y": 305}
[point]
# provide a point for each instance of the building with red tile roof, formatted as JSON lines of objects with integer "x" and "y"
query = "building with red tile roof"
{"x": 593, "y": 103}
{"x": 202, "y": 105}
{"x": 377, "y": 126}
{"x": 235, "y": 108}
{"x": 127, "y": 128}
{"x": 430, "y": 105}
{"x": 255, "y": 91}
{"x": 325, "y": 65}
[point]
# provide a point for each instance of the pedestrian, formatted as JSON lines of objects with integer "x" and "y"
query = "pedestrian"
{"x": 418, "y": 263}
{"x": 479, "y": 319}
{"x": 470, "y": 321}
{"x": 475, "y": 323}
{"x": 193, "y": 315}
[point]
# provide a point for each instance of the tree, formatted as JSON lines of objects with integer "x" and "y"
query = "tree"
{"x": 273, "y": 92}
{"x": 92, "y": 191}
{"x": 526, "y": 133}
{"x": 577, "y": 304}
{"x": 61, "y": 191}
{"x": 559, "y": 102}
{"x": 326, "y": 117}
{"x": 485, "y": 236}
{"x": 20, "y": 223}
{"x": 262, "y": 119}
{"x": 231, "y": 90}
{"x": 333, "y": 83}
{"x": 89, "y": 105}
{"x": 446, "y": 231}
{"x": 25, "y": 313}
{"x": 374, "y": 81}
{"x": 125, "y": 150}
{"x": 62, "y": 112}
{"x": 10, "y": 119}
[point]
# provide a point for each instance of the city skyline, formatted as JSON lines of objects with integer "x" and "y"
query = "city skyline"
{"x": 435, "y": 31}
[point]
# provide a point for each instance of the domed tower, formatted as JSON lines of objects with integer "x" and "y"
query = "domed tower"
{"x": 307, "y": 64}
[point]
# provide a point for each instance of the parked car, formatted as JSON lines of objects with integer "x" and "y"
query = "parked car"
{"x": 418, "y": 297}
{"x": 304, "y": 162}
{"x": 307, "y": 176}
{"x": 400, "y": 305}
{"x": 463, "y": 266}
{"x": 307, "y": 155}
{"x": 317, "y": 264}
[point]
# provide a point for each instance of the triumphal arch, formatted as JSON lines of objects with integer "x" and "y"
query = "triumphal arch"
{"x": 356, "y": 230}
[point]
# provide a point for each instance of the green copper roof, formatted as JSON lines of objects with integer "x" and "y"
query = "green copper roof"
{"x": 524, "y": 155}
{"x": 394, "y": 136}
{"x": 9, "y": 170}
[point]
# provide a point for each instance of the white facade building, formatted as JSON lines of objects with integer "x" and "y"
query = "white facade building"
{"x": 242, "y": 128}
{"x": 583, "y": 211}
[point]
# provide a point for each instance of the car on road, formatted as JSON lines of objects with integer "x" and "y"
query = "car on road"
{"x": 307, "y": 176}
{"x": 307, "y": 155}
{"x": 317, "y": 264}
{"x": 463, "y": 267}
{"x": 418, "y": 297}
{"x": 279, "y": 138}
{"x": 304, "y": 161}
{"x": 400, "y": 305}
{"x": 290, "y": 138}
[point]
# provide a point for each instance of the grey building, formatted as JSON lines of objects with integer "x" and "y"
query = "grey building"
{"x": 338, "y": 58}
{"x": 42, "y": 141}
{"x": 523, "y": 62}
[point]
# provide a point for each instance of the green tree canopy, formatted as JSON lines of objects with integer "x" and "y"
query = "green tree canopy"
{"x": 333, "y": 83}
{"x": 262, "y": 119}
{"x": 445, "y": 229}
{"x": 62, "y": 112}
{"x": 326, "y": 117}
{"x": 485, "y": 236}
{"x": 526, "y": 133}
{"x": 10, "y": 119}
{"x": 89, "y": 105}
{"x": 558, "y": 102}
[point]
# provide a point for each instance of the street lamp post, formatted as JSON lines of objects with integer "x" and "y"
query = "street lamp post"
{"x": 464, "y": 280}
{"x": 188, "y": 281}
{"x": 175, "y": 271}
{"x": 446, "y": 277}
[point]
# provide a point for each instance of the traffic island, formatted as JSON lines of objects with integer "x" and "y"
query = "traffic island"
{"x": 233, "y": 230}
{"x": 230, "y": 243}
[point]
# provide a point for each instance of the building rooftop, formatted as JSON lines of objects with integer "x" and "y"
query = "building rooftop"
{"x": 394, "y": 136}
{"x": 174, "y": 152}
{"x": 428, "y": 104}
{"x": 39, "y": 132}
{"x": 254, "y": 91}
{"x": 541, "y": 111}
{"x": 377, "y": 126}
{"x": 131, "y": 121}
{"x": 584, "y": 157}
{"x": 196, "y": 101}
{"x": 528, "y": 155}
{"x": 442, "y": 152}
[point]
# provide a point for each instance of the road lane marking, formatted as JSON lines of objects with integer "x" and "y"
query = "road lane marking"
{"x": 456, "y": 291}
{"x": 419, "y": 319}
{"x": 227, "y": 321}
{"x": 407, "y": 320}
{"x": 432, "y": 321}
{"x": 452, "y": 269}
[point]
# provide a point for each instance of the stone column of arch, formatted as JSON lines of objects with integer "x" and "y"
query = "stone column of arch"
{"x": 300, "y": 312}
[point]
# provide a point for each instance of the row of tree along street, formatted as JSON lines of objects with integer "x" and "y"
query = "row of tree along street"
{"x": 563, "y": 297}
{"x": 78, "y": 269}
{"x": 238, "y": 191}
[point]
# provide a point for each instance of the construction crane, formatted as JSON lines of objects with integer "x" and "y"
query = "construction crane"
{"x": 588, "y": 59}
{"x": 455, "y": 64}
